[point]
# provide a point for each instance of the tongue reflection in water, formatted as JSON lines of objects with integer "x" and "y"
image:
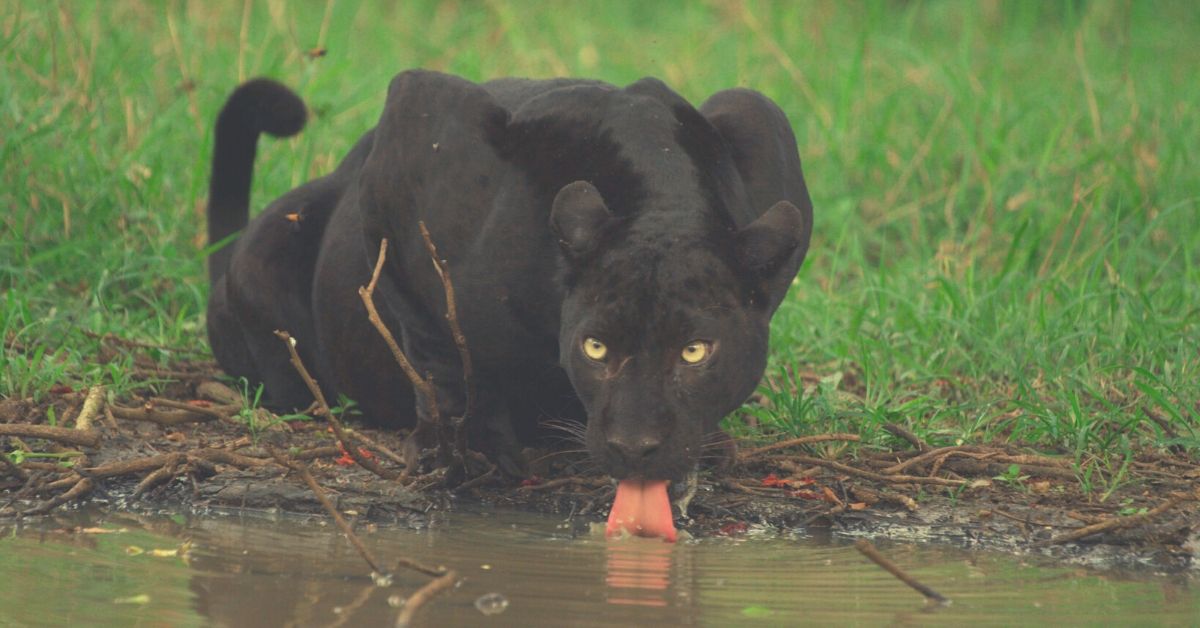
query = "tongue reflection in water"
{"x": 641, "y": 508}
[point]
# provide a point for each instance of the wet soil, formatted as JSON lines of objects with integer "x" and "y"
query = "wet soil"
{"x": 189, "y": 448}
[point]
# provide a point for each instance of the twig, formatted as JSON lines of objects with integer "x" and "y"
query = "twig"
{"x": 373, "y": 444}
{"x": 460, "y": 342}
{"x": 925, "y": 457}
{"x": 149, "y": 414}
{"x": 870, "y": 475}
{"x": 867, "y": 549}
{"x": 126, "y": 466}
{"x": 423, "y": 386}
{"x": 1114, "y": 523}
{"x": 160, "y": 475}
{"x": 80, "y": 438}
{"x": 336, "y": 424}
{"x": 899, "y": 431}
{"x": 796, "y": 442}
{"x": 1026, "y": 521}
{"x": 91, "y": 407}
{"x": 82, "y": 487}
{"x": 113, "y": 338}
{"x": 218, "y": 412}
{"x": 477, "y": 480}
{"x": 224, "y": 456}
{"x": 982, "y": 453}
{"x": 333, "y": 512}
{"x": 423, "y": 595}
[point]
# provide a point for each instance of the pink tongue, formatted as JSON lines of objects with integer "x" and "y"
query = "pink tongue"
{"x": 641, "y": 508}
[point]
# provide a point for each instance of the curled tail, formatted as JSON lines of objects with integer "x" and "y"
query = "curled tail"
{"x": 257, "y": 106}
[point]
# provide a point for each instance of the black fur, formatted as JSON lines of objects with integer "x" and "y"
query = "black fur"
{"x": 564, "y": 209}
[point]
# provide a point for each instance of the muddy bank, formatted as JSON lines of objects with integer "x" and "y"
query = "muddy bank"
{"x": 194, "y": 447}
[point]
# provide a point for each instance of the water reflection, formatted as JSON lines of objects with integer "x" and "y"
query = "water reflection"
{"x": 639, "y": 572}
{"x": 300, "y": 572}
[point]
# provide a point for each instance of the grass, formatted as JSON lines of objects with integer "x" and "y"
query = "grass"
{"x": 1006, "y": 199}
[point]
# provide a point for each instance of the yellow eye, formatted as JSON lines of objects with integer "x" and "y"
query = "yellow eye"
{"x": 594, "y": 349}
{"x": 696, "y": 351}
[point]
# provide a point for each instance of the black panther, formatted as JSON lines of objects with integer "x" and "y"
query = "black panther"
{"x": 617, "y": 255}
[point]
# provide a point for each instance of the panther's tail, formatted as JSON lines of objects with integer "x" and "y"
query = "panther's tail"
{"x": 257, "y": 106}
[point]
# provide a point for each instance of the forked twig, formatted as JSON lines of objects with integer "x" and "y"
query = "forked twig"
{"x": 867, "y": 549}
{"x": 423, "y": 386}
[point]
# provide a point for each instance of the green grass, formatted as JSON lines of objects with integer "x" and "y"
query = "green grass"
{"x": 1006, "y": 193}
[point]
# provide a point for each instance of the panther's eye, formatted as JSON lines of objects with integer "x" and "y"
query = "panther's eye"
{"x": 696, "y": 352}
{"x": 594, "y": 349}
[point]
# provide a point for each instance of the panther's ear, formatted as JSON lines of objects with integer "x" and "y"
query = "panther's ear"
{"x": 579, "y": 217}
{"x": 763, "y": 149}
{"x": 773, "y": 246}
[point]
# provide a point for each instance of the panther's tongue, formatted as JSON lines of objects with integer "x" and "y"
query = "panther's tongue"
{"x": 641, "y": 508}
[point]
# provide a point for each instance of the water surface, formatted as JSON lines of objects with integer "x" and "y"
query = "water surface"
{"x": 255, "y": 570}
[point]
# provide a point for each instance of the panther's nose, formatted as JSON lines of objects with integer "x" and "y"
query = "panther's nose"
{"x": 633, "y": 451}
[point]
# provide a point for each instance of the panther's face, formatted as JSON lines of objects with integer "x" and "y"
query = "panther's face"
{"x": 663, "y": 337}
{"x": 658, "y": 357}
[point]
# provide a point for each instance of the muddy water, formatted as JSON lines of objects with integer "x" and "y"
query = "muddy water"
{"x": 255, "y": 570}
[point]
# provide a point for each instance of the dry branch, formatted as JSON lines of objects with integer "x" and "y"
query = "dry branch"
{"x": 160, "y": 475}
{"x": 123, "y": 467}
{"x": 167, "y": 418}
{"x": 870, "y": 475}
{"x": 82, "y": 487}
{"x": 1115, "y": 523}
{"x": 867, "y": 549}
{"x": 460, "y": 342}
{"x": 216, "y": 412}
{"x": 423, "y": 386}
{"x": 796, "y": 442}
{"x": 79, "y": 438}
{"x": 91, "y": 407}
{"x": 333, "y": 512}
{"x": 225, "y": 456}
{"x": 336, "y": 424}
{"x": 373, "y": 444}
{"x": 899, "y": 431}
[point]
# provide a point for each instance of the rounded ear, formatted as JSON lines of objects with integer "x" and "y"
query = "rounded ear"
{"x": 774, "y": 245}
{"x": 578, "y": 217}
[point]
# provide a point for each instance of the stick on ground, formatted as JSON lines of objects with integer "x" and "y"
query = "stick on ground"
{"x": 796, "y": 442}
{"x": 79, "y": 438}
{"x": 1114, "y": 523}
{"x": 338, "y": 430}
{"x": 867, "y": 549}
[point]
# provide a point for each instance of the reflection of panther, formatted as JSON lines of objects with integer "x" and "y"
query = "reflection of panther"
{"x": 616, "y": 253}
